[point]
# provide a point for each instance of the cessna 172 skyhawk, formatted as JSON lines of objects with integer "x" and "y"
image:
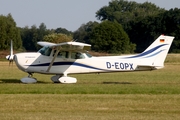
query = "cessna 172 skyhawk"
{"x": 72, "y": 58}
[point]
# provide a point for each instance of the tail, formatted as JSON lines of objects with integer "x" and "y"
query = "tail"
{"x": 155, "y": 55}
{"x": 158, "y": 50}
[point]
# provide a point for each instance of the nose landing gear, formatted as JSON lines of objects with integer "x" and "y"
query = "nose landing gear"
{"x": 29, "y": 79}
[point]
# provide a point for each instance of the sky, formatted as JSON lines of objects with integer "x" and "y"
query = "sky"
{"x": 68, "y": 14}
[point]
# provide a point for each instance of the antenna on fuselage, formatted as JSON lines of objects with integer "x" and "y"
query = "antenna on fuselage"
{"x": 75, "y": 40}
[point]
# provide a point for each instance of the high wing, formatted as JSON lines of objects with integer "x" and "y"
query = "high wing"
{"x": 73, "y": 46}
{"x": 67, "y": 46}
{"x": 41, "y": 43}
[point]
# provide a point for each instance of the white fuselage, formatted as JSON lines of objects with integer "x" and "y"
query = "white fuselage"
{"x": 38, "y": 63}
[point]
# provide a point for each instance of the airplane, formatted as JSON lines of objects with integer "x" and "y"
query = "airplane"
{"x": 67, "y": 58}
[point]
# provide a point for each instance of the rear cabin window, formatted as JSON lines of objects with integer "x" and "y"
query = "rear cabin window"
{"x": 62, "y": 54}
{"x": 77, "y": 55}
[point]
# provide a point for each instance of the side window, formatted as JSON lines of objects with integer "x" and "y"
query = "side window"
{"x": 62, "y": 54}
{"x": 73, "y": 55}
{"x": 77, "y": 55}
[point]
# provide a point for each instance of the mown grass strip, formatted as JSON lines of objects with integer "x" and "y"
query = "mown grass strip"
{"x": 89, "y": 107}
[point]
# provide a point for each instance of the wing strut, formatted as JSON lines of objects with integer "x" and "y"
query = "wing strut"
{"x": 57, "y": 51}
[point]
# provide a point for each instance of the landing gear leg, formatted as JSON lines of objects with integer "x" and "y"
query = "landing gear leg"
{"x": 30, "y": 75}
{"x": 55, "y": 78}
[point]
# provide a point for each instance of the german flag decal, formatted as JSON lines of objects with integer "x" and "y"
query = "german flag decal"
{"x": 162, "y": 40}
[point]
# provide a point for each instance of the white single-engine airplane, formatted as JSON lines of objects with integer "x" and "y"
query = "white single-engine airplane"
{"x": 72, "y": 58}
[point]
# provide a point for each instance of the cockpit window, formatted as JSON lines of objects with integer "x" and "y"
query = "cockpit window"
{"x": 45, "y": 51}
{"x": 88, "y": 55}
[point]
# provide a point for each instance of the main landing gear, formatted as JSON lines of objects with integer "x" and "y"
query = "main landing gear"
{"x": 63, "y": 79}
{"x": 56, "y": 79}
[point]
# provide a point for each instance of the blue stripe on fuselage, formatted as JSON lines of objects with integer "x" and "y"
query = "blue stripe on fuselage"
{"x": 65, "y": 63}
{"x": 148, "y": 52}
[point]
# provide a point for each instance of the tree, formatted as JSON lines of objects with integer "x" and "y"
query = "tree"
{"x": 63, "y": 31}
{"x": 171, "y": 23}
{"x": 57, "y": 38}
{"x": 143, "y": 32}
{"x": 124, "y": 11}
{"x": 30, "y": 36}
{"x": 42, "y": 31}
{"x": 110, "y": 37}
{"x": 8, "y": 32}
{"x": 83, "y": 32}
{"x": 140, "y": 21}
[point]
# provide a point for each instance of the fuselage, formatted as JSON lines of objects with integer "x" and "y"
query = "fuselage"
{"x": 37, "y": 63}
{"x": 67, "y": 63}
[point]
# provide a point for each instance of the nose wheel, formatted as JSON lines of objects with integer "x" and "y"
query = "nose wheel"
{"x": 29, "y": 79}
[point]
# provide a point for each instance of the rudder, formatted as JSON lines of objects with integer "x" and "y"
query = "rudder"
{"x": 158, "y": 50}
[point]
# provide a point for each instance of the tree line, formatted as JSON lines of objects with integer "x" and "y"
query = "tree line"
{"x": 125, "y": 27}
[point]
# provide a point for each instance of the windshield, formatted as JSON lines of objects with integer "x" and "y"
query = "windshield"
{"x": 45, "y": 51}
{"x": 88, "y": 55}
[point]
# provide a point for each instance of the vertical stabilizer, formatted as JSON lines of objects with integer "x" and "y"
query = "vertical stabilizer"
{"x": 158, "y": 50}
{"x": 155, "y": 55}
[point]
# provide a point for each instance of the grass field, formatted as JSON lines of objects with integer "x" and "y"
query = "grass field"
{"x": 144, "y": 95}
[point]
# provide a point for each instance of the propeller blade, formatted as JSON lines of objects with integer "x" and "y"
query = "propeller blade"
{"x": 11, "y": 56}
{"x": 11, "y": 52}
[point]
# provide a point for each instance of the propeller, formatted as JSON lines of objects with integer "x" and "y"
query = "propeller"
{"x": 10, "y": 57}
